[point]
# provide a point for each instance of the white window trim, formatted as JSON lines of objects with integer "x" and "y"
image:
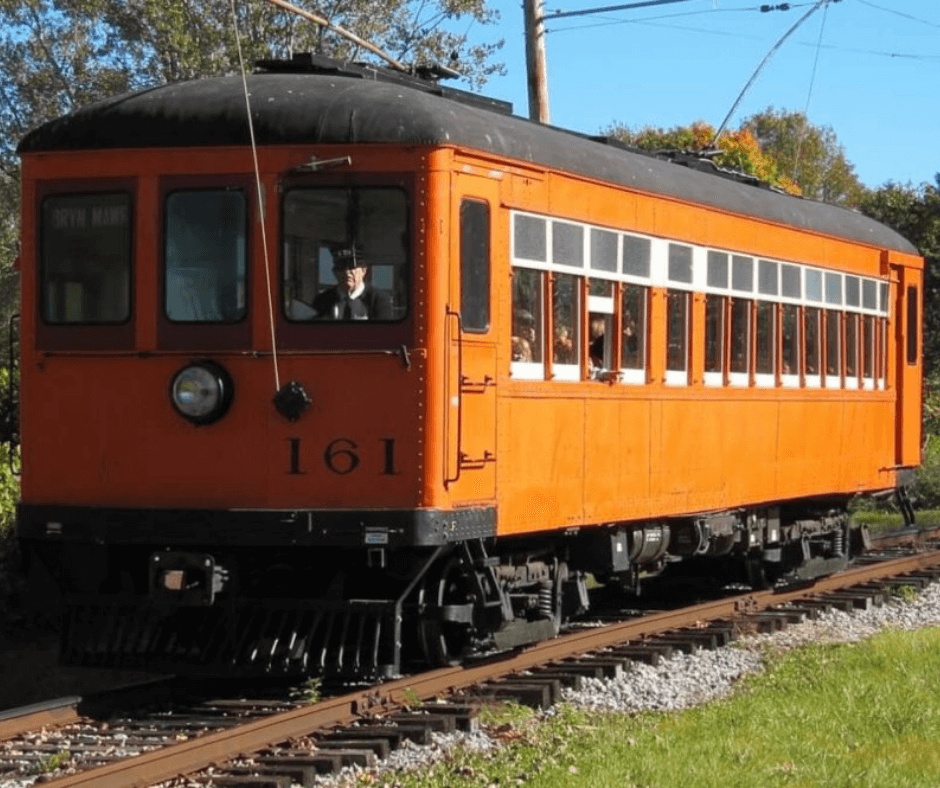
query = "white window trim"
{"x": 677, "y": 377}
{"x": 714, "y": 378}
{"x": 633, "y": 377}
{"x": 603, "y": 305}
{"x": 566, "y": 372}
{"x": 527, "y": 370}
{"x": 765, "y": 380}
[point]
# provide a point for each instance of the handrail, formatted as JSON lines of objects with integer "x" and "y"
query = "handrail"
{"x": 450, "y": 313}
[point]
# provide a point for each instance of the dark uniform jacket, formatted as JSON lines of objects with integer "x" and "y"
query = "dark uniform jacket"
{"x": 372, "y": 304}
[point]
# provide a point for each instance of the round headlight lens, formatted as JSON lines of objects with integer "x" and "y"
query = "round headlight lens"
{"x": 201, "y": 392}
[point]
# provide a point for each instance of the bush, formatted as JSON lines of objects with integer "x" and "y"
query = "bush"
{"x": 10, "y": 578}
{"x": 927, "y": 479}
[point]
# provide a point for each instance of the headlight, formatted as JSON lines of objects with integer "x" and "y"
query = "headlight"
{"x": 201, "y": 392}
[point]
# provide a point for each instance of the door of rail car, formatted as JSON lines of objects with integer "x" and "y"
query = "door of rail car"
{"x": 908, "y": 364}
{"x": 470, "y": 467}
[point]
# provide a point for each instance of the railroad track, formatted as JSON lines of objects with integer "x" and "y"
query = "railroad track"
{"x": 292, "y": 741}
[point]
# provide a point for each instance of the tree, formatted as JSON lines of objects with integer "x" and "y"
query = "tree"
{"x": 737, "y": 150}
{"x": 781, "y": 148}
{"x": 808, "y": 154}
{"x": 58, "y": 55}
{"x": 915, "y": 213}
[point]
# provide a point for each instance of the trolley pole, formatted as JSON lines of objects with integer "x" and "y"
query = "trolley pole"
{"x": 535, "y": 60}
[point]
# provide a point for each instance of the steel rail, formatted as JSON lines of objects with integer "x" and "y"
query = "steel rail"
{"x": 217, "y": 748}
{"x": 48, "y": 714}
{"x": 59, "y": 712}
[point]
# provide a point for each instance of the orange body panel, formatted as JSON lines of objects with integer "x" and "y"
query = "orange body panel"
{"x": 99, "y": 435}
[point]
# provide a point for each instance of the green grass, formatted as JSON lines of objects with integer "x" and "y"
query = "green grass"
{"x": 855, "y": 715}
{"x": 888, "y": 521}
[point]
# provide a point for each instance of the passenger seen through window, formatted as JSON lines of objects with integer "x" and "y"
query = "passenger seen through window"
{"x": 526, "y": 315}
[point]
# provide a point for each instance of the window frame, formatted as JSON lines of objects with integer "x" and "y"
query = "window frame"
{"x": 197, "y": 335}
{"x": 86, "y": 336}
{"x": 636, "y": 375}
{"x": 674, "y": 376}
{"x": 716, "y": 377}
{"x": 531, "y": 370}
{"x": 791, "y": 379}
{"x": 357, "y": 335}
{"x": 481, "y": 289}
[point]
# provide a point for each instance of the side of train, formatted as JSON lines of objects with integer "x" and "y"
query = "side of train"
{"x": 594, "y": 361}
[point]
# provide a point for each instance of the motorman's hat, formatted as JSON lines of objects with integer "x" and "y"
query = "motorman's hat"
{"x": 345, "y": 256}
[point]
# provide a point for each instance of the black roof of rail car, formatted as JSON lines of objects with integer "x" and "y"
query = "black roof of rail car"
{"x": 290, "y": 108}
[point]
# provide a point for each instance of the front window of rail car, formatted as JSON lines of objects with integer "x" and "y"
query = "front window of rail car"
{"x": 205, "y": 256}
{"x": 86, "y": 258}
{"x": 346, "y": 254}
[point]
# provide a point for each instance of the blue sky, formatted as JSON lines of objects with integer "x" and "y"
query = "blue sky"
{"x": 869, "y": 69}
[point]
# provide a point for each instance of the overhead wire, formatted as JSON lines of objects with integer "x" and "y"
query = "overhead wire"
{"x": 678, "y": 15}
{"x": 797, "y": 169}
{"x": 773, "y": 50}
{"x": 261, "y": 205}
{"x": 657, "y": 21}
{"x": 898, "y": 13}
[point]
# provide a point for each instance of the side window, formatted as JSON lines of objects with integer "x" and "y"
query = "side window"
{"x": 565, "y": 318}
{"x": 811, "y": 345}
{"x": 678, "y": 323}
{"x": 205, "y": 250}
{"x": 790, "y": 362}
{"x": 883, "y": 352}
{"x": 716, "y": 307}
{"x": 740, "y": 361}
{"x": 766, "y": 343}
{"x": 85, "y": 259}
{"x": 601, "y": 324}
{"x": 868, "y": 350}
{"x": 851, "y": 349}
{"x": 634, "y": 304}
{"x": 677, "y": 336}
{"x": 912, "y": 325}
{"x": 833, "y": 346}
{"x": 527, "y": 341}
{"x": 475, "y": 266}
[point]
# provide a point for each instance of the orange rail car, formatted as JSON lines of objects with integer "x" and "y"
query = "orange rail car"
{"x": 396, "y": 393}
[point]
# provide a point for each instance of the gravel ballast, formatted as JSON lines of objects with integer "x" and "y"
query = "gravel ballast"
{"x": 682, "y": 681}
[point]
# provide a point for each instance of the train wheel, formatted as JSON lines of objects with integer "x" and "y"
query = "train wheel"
{"x": 445, "y": 627}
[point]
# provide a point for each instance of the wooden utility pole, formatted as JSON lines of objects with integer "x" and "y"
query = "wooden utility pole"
{"x": 535, "y": 60}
